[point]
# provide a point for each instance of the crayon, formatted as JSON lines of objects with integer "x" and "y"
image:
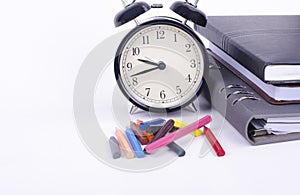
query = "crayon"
{"x": 124, "y": 144}
{"x": 149, "y": 136}
{"x": 214, "y": 142}
{"x": 114, "y": 147}
{"x": 180, "y": 124}
{"x": 138, "y": 122}
{"x": 176, "y": 148}
{"x": 158, "y": 121}
{"x": 139, "y": 153}
{"x": 163, "y": 130}
{"x": 178, "y": 134}
{"x": 138, "y": 133}
{"x": 153, "y": 129}
{"x": 197, "y": 133}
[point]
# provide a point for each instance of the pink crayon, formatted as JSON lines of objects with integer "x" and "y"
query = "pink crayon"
{"x": 177, "y": 134}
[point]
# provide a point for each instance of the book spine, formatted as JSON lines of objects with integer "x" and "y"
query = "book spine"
{"x": 226, "y": 42}
{"x": 252, "y": 62}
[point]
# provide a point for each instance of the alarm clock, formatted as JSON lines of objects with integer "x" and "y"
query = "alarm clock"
{"x": 159, "y": 65}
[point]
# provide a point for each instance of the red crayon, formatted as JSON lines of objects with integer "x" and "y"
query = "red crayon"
{"x": 214, "y": 142}
{"x": 138, "y": 133}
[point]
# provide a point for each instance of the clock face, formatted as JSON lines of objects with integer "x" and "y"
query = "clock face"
{"x": 160, "y": 65}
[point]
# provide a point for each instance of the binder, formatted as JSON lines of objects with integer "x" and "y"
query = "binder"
{"x": 244, "y": 105}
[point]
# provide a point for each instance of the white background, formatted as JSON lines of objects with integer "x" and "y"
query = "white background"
{"x": 42, "y": 45}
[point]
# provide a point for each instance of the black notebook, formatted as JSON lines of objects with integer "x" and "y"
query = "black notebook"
{"x": 274, "y": 94}
{"x": 268, "y": 46}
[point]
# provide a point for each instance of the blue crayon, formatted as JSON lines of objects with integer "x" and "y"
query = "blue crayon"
{"x": 136, "y": 146}
{"x": 158, "y": 121}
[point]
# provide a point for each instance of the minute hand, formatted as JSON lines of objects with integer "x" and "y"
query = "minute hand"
{"x": 145, "y": 71}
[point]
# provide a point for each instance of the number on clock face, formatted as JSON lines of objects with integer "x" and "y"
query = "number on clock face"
{"x": 161, "y": 66}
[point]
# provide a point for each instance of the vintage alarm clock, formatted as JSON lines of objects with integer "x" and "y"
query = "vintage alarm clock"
{"x": 159, "y": 65}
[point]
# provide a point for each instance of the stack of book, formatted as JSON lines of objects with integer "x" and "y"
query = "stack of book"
{"x": 259, "y": 58}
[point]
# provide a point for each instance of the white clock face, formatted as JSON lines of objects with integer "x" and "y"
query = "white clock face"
{"x": 161, "y": 66}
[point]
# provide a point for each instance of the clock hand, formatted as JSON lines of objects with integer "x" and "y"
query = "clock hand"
{"x": 145, "y": 71}
{"x": 149, "y": 62}
{"x": 160, "y": 65}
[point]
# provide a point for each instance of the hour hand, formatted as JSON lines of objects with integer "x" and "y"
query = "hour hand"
{"x": 149, "y": 62}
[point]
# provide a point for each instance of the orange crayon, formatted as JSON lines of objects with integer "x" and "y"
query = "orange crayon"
{"x": 124, "y": 145}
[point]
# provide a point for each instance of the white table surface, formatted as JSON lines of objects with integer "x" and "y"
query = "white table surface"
{"x": 42, "y": 45}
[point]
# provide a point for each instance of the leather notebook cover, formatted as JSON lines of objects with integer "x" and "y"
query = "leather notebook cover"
{"x": 257, "y": 42}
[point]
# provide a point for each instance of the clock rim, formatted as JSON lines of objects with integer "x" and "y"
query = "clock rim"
{"x": 138, "y": 28}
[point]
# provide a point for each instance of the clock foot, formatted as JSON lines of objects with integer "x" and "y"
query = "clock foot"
{"x": 192, "y": 107}
{"x": 133, "y": 109}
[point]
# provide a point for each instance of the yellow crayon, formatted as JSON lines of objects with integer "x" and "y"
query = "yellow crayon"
{"x": 179, "y": 123}
{"x": 197, "y": 133}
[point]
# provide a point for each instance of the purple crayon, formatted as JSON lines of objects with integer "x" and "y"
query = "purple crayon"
{"x": 163, "y": 130}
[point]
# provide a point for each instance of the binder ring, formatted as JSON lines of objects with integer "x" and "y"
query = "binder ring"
{"x": 240, "y": 92}
{"x": 260, "y": 132}
{"x": 232, "y": 86}
{"x": 214, "y": 67}
{"x": 244, "y": 98}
